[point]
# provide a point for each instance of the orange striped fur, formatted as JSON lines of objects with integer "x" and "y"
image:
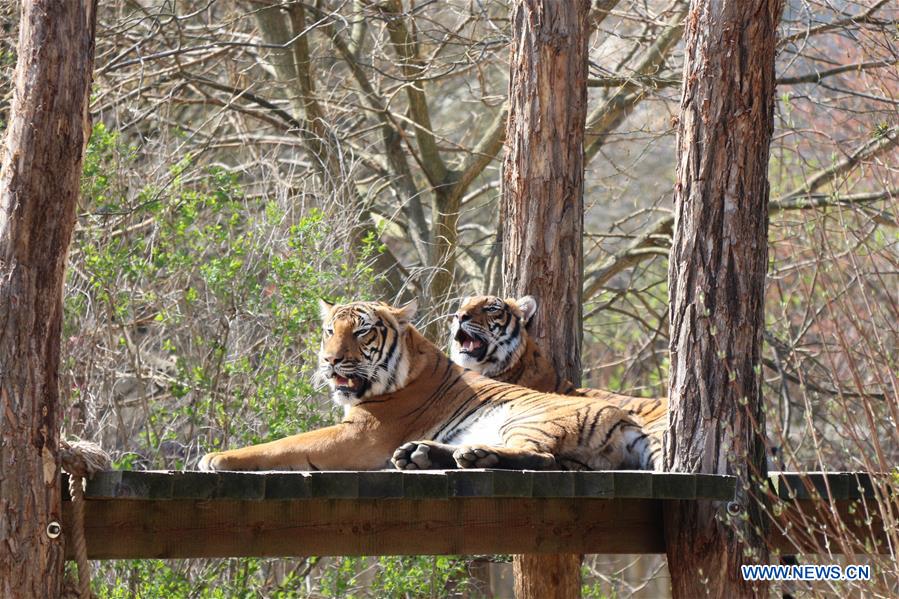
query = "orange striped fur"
{"x": 489, "y": 336}
{"x": 408, "y": 405}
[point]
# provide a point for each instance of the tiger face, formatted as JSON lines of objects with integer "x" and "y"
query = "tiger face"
{"x": 486, "y": 334}
{"x": 362, "y": 352}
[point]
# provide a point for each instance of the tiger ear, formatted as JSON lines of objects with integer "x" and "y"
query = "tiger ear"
{"x": 405, "y": 313}
{"x": 528, "y": 307}
{"x": 324, "y": 309}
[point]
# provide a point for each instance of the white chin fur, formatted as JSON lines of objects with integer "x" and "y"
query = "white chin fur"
{"x": 344, "y": 399}
{"x": 463, "y": 359}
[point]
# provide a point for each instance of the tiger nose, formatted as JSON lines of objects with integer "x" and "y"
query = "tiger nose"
{"x": 462, "y": 316}
{"x": 333, "y": 360}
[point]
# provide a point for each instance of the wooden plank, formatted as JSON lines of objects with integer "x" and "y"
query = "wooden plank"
{"x": 425, "y": 485}
{"x": 595, "y": 484}
{"x": 674, "y": 486}
{"x": 126, "y": 529}
{"x": 475, "y": 483}
{"x": 436, "y": 484}
{"x": 632, "y": 484}
{"x": 553, "y": 484}
{"x": 130, "y": 484}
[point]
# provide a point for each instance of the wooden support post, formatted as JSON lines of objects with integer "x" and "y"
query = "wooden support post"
{"x": 39, "y": 184}
{"x": 542, "y": 210}
{"x": 716, "y": 289}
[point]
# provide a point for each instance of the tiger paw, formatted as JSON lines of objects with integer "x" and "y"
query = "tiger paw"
{"x": 212, "y": 462}
{"x": 473, "y": 456}
{"x": 412, "y": 456}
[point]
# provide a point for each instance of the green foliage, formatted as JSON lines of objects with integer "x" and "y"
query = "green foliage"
{"x": 208, "y": 248}
{"x": 144, "y": 578}
{"x": 221, "y": 579}
{"x": 430, "y": 576}
{"x": 223, "y": 287}
{"x": 439, "y": 576}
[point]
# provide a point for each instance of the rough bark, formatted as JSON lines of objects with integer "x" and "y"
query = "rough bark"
{"x": 716, "y": 289}
{"x": 39, "y": 184}
{"x": 542, "y": 209}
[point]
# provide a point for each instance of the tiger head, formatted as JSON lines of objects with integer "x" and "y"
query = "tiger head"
{"x": 363, "y": 352}
{"x": 487, "y": 333}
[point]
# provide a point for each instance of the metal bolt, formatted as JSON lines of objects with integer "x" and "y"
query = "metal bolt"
{"x": 54, "y": 529}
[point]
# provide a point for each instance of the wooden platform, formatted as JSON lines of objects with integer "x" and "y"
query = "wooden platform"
{"x": 197, "y": 514}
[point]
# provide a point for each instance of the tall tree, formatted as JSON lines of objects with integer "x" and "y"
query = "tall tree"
{"x": 542, "y": 209}
{"x": 716, "y": 289}
{"x": 39, "y": 184}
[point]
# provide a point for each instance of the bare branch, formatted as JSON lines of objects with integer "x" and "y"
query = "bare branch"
{"x": 391, "y": 135}
{"x": 650, "y": 81}
{"x": 406, "y": 47}
{"x": 656, "y": 238}
{"x": 818, "y": 388}
{"x": 823, "y": 200}
{"x": 880, "y": 144}
{"x": 483, "y": 153}
{"x": 865, "y": 17}
{"x": 817, "y": 76}
{"x": 631, "y": 255}
{"x": 600, "y": 11}
{"x": 311, "y": 108}
{"x": 282, "y": 114}
{"x": 607, "y": 117}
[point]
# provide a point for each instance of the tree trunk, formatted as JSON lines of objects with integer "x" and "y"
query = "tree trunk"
{"x": 716, "y": 290}
{"x": 542, "y": 210}
{"x": 39, "y": 184}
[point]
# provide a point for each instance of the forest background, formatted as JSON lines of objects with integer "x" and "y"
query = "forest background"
{"x": 249, "y": 157}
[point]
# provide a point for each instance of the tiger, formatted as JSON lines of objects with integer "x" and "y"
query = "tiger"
{"x": 489, "y": 335}
{"x": 408, "y": 406}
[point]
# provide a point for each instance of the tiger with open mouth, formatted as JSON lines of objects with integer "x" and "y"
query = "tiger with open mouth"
{"x": 407, "y": 404}
{"x": 488, "y": 334}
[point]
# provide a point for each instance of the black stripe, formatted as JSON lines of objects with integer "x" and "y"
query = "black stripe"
{"x": 608, "y": 436}
{"x": 517, "y": 432}
{"x": 595, "y": 421}
{"x": 484, "y": 399}
{"x": 632, "y": 444}
{"x": 515, "y": 375}
{"x": 446, "y": 382}
{"x": 391, "y": 377}
{"x": 368, "y": 401}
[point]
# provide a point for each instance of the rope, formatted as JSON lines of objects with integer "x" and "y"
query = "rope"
{"x": 81, "y": 460}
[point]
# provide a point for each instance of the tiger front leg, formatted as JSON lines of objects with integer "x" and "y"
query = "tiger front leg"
{"x": 424, "y": 455}
{"x": 338, "y": 447}
{"x": 505, "y": 458}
